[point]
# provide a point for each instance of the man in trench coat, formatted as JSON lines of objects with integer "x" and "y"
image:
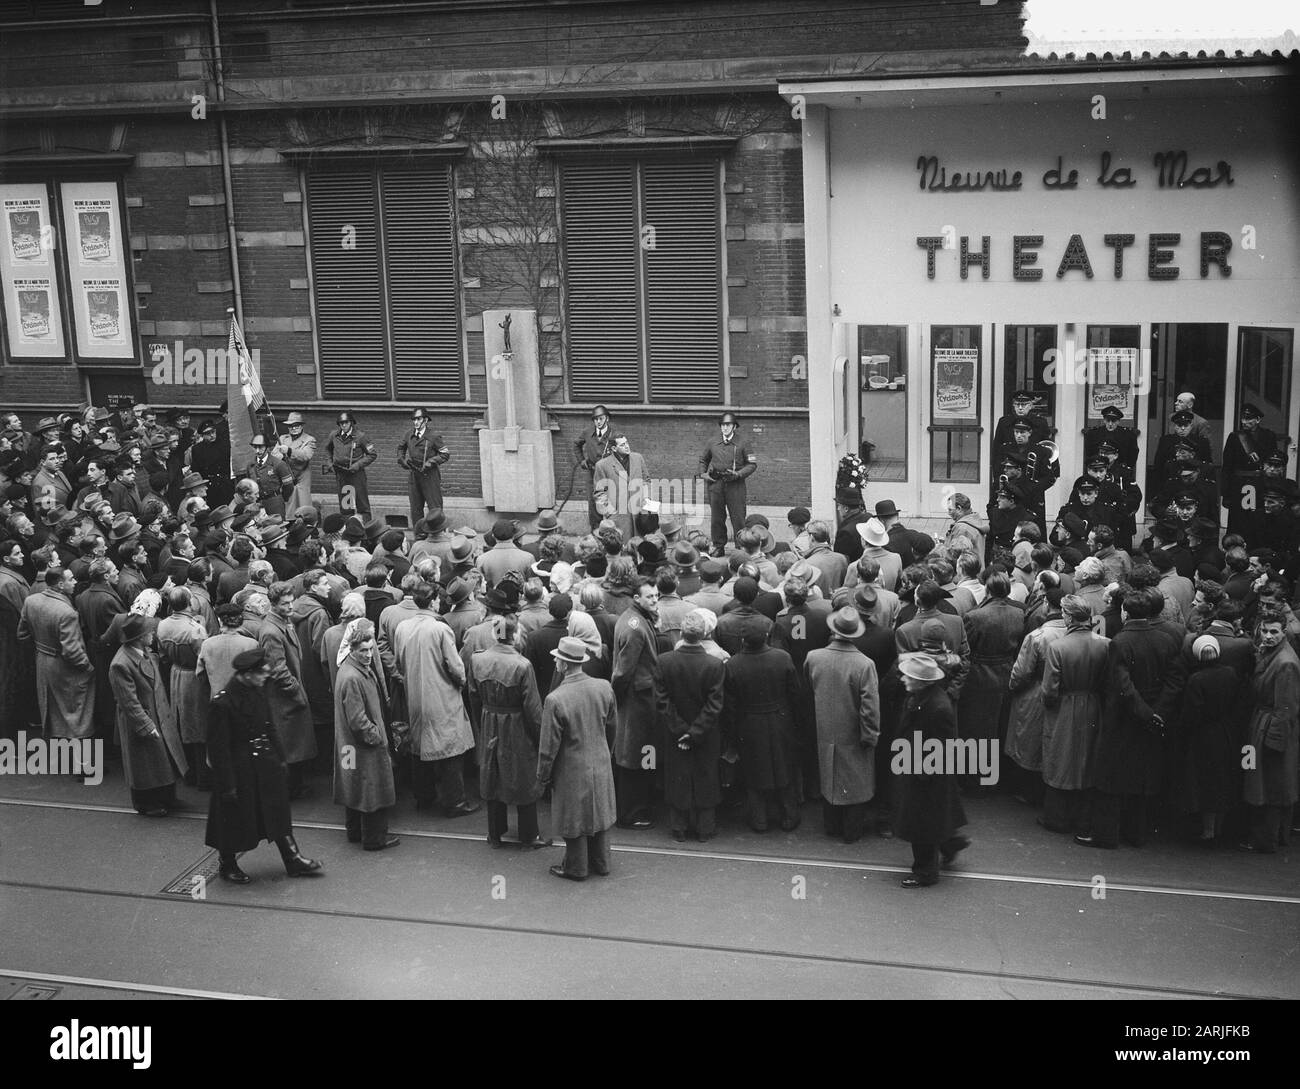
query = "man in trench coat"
{"x": 637, "y": 736}
{"x": 153, "y": 758}
{"x": 1270, "y": 785}
{"x": 689, "y": 692}
{"x": 65, "y": 679}
{"x": 286, "y": 695}
{"x": 846, "y": 701}
{"x": 250, "y": 795}
{"x": 619, "y": 485}
{"x": 363, "y": 770}
{"x": 573, "y": 757}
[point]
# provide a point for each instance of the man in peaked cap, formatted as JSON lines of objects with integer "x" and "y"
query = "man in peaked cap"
{"x": 1022, "y": 411}
{"x": 250, "y": 795}
{"x": 1124, "y": 439}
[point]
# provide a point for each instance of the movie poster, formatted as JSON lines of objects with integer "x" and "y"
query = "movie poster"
{"x": 1112, "y": 381}
{"x": 956, "y": 374}
{"x": 97, "y": 268}
{"x": 33, "y": 317}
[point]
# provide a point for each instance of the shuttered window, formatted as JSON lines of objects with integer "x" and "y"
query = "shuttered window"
{"x": 386, "y": 283}
{"x": 642, "y": 252}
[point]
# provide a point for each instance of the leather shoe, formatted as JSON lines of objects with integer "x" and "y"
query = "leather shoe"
{"x": 680, "y": 837}
{"x": 234, "y": 874}
{"x": 560, "y": 871}
{"x": 464, "y": 809}
{"x": 495, "y": 844}
{"x": 640, "y": 823}
{"x": 1093, "y": 841}
{"x": 537, "y": 844}
{"x": 389, "y": 841}
{"x": 1254, "y": 849}
{"x": 155, "y": 811}
{"x": 947, "y": 856}
{"x": 917, "y": 883}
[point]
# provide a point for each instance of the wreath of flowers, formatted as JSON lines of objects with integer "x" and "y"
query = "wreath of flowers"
{"x": 852, "y": 472}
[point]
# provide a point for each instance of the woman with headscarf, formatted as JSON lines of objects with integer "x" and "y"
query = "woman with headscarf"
{"x": 505, "y": 701}
{"x": 363, "y": 769}
{"x": 352, "y": 606}
{"x": 928, "y": 811}
{"x": 1214, "y": 715}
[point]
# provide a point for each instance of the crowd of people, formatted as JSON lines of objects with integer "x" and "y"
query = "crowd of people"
{"x": 255, "y": 648}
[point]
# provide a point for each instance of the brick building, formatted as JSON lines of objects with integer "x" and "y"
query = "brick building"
{"x": 363, "y": 181}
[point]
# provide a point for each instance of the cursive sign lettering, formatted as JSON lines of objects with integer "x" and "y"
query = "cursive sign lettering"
{"x": 934, "y": 178}
{"x": 1171, "y": 172}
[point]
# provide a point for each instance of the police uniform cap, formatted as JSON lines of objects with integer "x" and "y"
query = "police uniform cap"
{"x": 1021, "y": 425}
{"x": 1275, "y": 458}
{"x": 249, "y": 659}
{"x": 1182, "y": 417}
{"x": 1110, "y": 412}
{"x": 1102, "y": 447}
{"x": 1013, "y": 459}
{"x": 1097, "y": 462}
{"x": 1023, "y": 397}
{"x": 1087, "y": 486}
{"x": 1250, "y": 412}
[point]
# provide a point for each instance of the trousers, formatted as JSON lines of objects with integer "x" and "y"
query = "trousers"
{"x": 301, "y": 491}
{"x": 762, "y": 802}
{"x": 368, "y": 829}
{"x": 632, "y": 792}
{"x": 424, "y": 489}
{"x": 440, "y": 780}
{"x": 583, "y": 854}
{"x": 1064, "y": 810}
{"x": 1119, "y": 816}
{"x": 847, "y": 821}
{"x": 1269, "y": 827}
{"x": 726, "y": 497}
{"x": 498, "y": 821}
{"x": 704, "y": 821}
{"x": 925, "y": 858}
{"x": 354, "y": 492}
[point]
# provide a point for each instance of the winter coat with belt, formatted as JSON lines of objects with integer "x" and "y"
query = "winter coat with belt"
{"x": 1075, "y": 673}
{"x": 1025, "y": 719}
{"x": 573, "y": 755}
{"x": 434, "y": 675}
{"x": 180, "y": 638}
{"x": 250, "y": 793}
{"x": 505, "y": 702}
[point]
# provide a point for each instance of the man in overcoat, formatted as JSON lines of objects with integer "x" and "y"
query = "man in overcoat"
{"x": 96, "y": 607}
{"x": 250, "y": 795}
{"x": 504, "y": 701}
{"x": 1130, "y": 747}
{"x": 573, "y": 758}
{"x": 273, "y": 477}
{"x": 689, "y": 692}
{"x": 363, "y": 770}
{"x": 311, "y": 620}
{"x": 928, "y": 812}
{"x": 590, "y": 447}
{"x": 1270, "y": 781}
{"x": 181, "y": 635}
{"x": 637, "y": 737}
{"x": 153, "y": 758}
{"x": 65, "y": 678}
{"x": 296, "y": 448}
{"x": 994, "y": 629}
{"x": 286, "y": 695}
{"x": 420, "y": 453}
{"x": 846, "y": 699}
{"x": 619, "y": 485}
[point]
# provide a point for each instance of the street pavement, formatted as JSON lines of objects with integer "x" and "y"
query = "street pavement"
{"x": 1022, "y": 914}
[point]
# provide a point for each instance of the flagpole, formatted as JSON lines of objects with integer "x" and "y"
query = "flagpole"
{"x": 275, "y": 429}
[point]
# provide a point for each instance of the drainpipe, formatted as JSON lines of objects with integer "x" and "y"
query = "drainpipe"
{"x": 226, "y": 182}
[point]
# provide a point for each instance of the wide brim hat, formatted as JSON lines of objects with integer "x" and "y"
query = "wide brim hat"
{"x": 461, "y": 550}
{"x": 571, "y": 649}
{"x": 457, "y": 591}
{"x": 48, "y": 423}
{"x": 354, "y": 530}
{"x": 766, "y": 542}
{"x": 496, "y": 598}
{"x": 434, "y": 523}
{"x": 221, "y": 513}
{"x": 102, "y": 414}
{"x": 886, "y": 509}
{"x": 685, "y": 554}
{"x": 274, "y": 529}
{"x": 190, "y": 481}
{"x": 256, "y": 440}
{"x": 546, "y": 521}
{"x": 294, "y": 418}
{"x": 124, "y": 527}
{"x": 846, "y": 623}
{"x": 873, "y": 533}
{"x": 920, "y": 667}
{"x": 90, "y": 501}
{"x": 133, "y": 627}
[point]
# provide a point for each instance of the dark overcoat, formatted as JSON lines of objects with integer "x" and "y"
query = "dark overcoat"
{"x": 846, "y": 697}
{"x": 636, "y": 665}
{"x": 1214, "y": 712}
{"x": 363, "y": 770}
{"x": 284, "y": 690}
{"x": 994, "y": 629}
{"x": 927, "y": 807}
{"x": 573, "y": 755}
{"x": 762, "y": 690}
{"x": 148, "y": 761}
{"x": 1274, "y": 729}
{"x": 506, "y": 705}
{"x": 238, "y": 716}
{"x": 310, "y": 621}
{"x": 690, "y": 694}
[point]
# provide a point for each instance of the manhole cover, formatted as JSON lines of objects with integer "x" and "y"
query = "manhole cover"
{"x": 34, "y": 992}
{"x": 192, "y": 882}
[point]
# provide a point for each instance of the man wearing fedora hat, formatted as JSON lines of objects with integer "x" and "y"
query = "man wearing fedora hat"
{"x": 349, "y": 452}
{"x": 504, "y": 556}
{"x": 153, "y": 758}
{"x": 274, "y": 480}
{"x": 684, "y": 558}
{"x": 589, "y": 449}
{"x": 928, "y": 811}
{"x": 846, "y": 700}
{"x": 578, "y": 718}
{"x": 421, "y": 452}
{"x": 726, "y": 464}
{"x": 433, "y": 538}
{"x": 296, "y": 448}
{"x": 65, "y": 677}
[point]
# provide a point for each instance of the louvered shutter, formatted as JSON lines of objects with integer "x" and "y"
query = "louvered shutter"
{"x": 423, "y": 284}
{"x": 349, "y": 296}
{"x": 602, "y": 307}
{"x": 683, "y": 275}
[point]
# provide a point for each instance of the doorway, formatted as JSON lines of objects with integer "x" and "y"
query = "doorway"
{"x": 1187, "y": 357}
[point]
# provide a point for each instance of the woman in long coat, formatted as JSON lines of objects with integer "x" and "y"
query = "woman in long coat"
{"x": 1213, "y": 718}
{"x": 689, "y": 691}
{"x": 504, "y": 699}
{"x": 363, "y": 769}
{"x": 846, "y": 700}
{"x": 928, "y": 811}
{"x": 153, "y": 758}
{"x": 284, "y": 691}
{"x": 180, "y": 638}
{"x": 1074, "y": 682}
{"x": 1270, "y": 786}
{"x": 762, "y": 691}
{"x": 1025, "y": 718}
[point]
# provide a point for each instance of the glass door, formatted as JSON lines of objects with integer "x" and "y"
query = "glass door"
{"x": 954, "y": 410}
{"x": 1264, "y": 358}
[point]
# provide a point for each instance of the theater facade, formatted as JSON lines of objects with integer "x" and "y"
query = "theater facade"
{"x": 1106, "y": 237}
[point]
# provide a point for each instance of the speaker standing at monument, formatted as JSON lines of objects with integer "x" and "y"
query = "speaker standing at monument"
{"x": 350, "y": 451}
{"x": 593, "y": 444}
{"x": 421, "y": 452}
{"x": 296, "y": 449}
{"x": 725, "y": 464}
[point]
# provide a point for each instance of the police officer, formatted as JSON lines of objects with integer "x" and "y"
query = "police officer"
{"x": 591, "y": 446}
{"x": 350, "y": 451}
{"x": 421, "y": 452}
{"x": 1021, "y": 410}
{"x": 1087, "y": 506}
{"x": 725, "y": 464}
{"x": 1119, "y": 475}
{"x": 1124, "y": 439}
{"x": 211, "y": 463}
{"x": 274, "y": 481}
{"x": 1022, "y": 433}
{"x": 1029, "y": 494}
{"x": 296, "y": 449}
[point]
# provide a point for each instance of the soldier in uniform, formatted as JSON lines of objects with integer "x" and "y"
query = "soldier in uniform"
{"x": 592, "y": 445}
{"x": 1029, "y": 493}
{"x": 274, "y": 480}
{"x": 1124, "y": 439}
{"x": 1121, "y": 476}
{"x": 1179, "y": 444}
{"x": 1005, "y": 513}
{"x": 725, "y": 464}
{"x": 350, "y": 451}
{"x": 1086, "y": 505}
{"x": 1246, "y": 449}
{"x": 1021, "y": 411}
{"x": 296, "y": 449}
{"x": 1021, "y": 441}
{"x": 421, "y": 452}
